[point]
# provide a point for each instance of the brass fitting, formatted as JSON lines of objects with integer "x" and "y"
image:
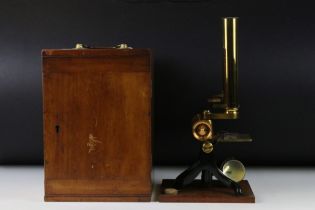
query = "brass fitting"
{"x": 207, "y": 147}
{"x": 202, "y": 126}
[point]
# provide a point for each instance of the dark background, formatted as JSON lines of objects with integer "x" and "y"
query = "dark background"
{"x": 276, "y": 75}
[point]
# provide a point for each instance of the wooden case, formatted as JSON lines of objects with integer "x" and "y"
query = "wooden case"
{"x": 97, "y": 124}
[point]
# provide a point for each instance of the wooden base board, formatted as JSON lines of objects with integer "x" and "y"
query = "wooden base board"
{"x": 62, "y": 198}
{"x": 197, "y": 193}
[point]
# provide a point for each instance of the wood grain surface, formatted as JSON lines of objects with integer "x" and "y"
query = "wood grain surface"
{"x": 97, "y": 124}
{"x": 196, "y": 192}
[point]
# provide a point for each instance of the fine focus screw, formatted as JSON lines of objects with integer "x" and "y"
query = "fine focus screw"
{"x": 207, "y": 147}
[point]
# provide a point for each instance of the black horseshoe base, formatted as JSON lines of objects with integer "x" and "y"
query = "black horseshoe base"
{"x": 208, "y": 168}
{"x": 207, "y": 189}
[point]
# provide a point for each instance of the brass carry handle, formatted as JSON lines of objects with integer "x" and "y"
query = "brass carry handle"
{"x": 79, "y": 46}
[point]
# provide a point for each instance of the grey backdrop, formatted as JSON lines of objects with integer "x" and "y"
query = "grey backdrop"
{"x": 277, "y": 75}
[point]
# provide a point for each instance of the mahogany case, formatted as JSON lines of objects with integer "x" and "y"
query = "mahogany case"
{"x": 97, "y": 124}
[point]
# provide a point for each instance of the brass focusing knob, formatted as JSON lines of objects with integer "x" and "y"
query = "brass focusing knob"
{"x": 202, "y": 130}
{"x": 202, "y": 127}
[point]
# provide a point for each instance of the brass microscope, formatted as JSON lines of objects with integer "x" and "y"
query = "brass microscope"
{"x": 223, "y": 106}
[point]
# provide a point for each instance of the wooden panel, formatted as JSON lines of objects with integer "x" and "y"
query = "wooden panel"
{"x": 90, "y": 52}
{"x": 96, "y": 64}
{"x": 97, "y": 125}
{"x": 196, "y": 192}
{"x": 123, "y": 186}
{"x": 97, "y": 198}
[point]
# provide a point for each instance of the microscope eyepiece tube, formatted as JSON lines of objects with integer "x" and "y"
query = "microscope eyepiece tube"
{"x": 230, "y": 64}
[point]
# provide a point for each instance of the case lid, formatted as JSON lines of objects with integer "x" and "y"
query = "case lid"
{"x": 87, "y": 51}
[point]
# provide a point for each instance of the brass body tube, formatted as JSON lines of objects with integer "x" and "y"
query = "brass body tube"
{"x": 230, "y": 65}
